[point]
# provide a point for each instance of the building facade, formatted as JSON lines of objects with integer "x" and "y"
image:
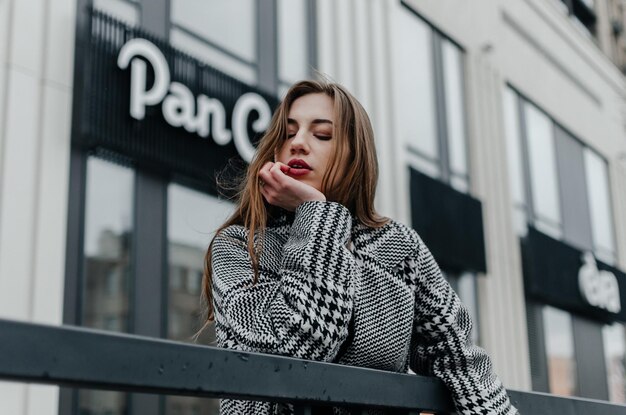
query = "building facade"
{"x": 500, "y": 130}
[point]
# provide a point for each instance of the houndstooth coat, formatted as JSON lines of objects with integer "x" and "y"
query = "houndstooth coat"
{"x": 323, "y": 273}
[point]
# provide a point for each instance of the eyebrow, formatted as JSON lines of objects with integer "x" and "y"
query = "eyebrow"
{"x": 315, "y": 121}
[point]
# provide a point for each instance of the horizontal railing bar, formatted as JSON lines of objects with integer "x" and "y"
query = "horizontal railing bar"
{"x": 537, "y": 403}
{"x": 85, "y": 358}
{"x": 80, "y": 357}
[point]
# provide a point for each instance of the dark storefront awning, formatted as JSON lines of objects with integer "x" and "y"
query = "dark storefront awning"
{"x": 449, "y": 222}
{"x": 558, "y": 274}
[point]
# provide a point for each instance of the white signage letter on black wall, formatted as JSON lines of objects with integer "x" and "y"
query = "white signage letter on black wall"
{"x": 246, "y": 103}
{"x": 598, "y": 288}
{"x": 139, "y": 96}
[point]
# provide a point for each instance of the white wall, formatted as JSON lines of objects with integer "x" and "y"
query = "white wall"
{"x": 36, "y": 70}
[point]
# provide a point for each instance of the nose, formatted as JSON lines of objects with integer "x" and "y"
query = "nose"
{"x": 299, "y": 143}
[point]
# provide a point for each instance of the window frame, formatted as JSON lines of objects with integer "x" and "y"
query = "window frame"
{"x": 445, "y": 174}
{"x": 531, "y": 216}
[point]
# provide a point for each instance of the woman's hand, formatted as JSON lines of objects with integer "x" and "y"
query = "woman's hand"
{"x": 284, "y": 191}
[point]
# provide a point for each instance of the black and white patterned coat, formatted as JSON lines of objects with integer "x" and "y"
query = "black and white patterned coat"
{"x": 319, "y": 269}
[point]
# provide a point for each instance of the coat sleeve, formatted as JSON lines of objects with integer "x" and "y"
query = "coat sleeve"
{"x": 444, "y": 348}
{"x": 304, "y": 307}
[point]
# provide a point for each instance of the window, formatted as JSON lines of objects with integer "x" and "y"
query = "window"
{"x": 534, "y": 138}
{"x": 238, "y": 37}
{"x": 293, "y": 41}
{"x": 108, "y": 228}
{"x": 557, "y": 327}
{"x": 107, "y": 256}
{"x": 543, "y": 173}
{"x": 614, "y": 337}
{"x": 125, "y": 10}
{"x": 514, "y": 152}
{"x": 192, "y": 219}
{"x": 222, "y": 33}
{"x": 582, "y": 14}
{"x": 452, "y": 58}
{"x": 430, "y": 99}
{"x": 596, "y": 172}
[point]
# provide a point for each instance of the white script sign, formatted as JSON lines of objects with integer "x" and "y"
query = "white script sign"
{"x": 203, "y": 115}
{"x": 598, "y": 288}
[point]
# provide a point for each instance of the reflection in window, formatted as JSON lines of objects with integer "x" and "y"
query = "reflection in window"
{"x": 192, "y": 220}
{"x": 97, "y": 402}
{"x": 455, "y": 114}
{"x": 107, "y": 253}
{"x": 415, "y": 117}
{"x": 543, "y": 173}
{"x": 292, "y": 41}
{"x": 559, "y": 351}
{"x": 614, "y": 339}
{"x": 599, "y": 206}
{"x": 514, "y": 154}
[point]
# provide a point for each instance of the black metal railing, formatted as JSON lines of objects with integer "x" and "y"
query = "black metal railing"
{"x": 79, "y": 357}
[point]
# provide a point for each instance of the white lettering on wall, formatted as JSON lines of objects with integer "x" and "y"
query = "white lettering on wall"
{"x": 203, "y": 115}
{"x": 245, "y": 104}
{"x": 139, "y": 96}
{"x": 598, "y": 288}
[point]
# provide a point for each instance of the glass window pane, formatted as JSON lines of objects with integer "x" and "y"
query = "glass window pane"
{"x": 513, "y": 147}
{"x": 99, "y": 402}
{"x": 219, "y": 60}
{"x": 120, "y": 9}
{"x": 108, "y": 230}
{"x": 228, "y": 24}
{"x": 542, "y": 160}
{"x": 599, "y": 201}
{"x": 557, "y": 328}
{"x": 414, "y": 84}
{"x": 292, "y": 40}
{"x": 192, "y": 220}
{"x": 107, "y": 252}
{"x": 455, "y": 108}
{"x": 614, "y": 338}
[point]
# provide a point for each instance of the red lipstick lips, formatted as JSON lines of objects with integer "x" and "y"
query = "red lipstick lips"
{"x": 298, "y": 167}
{"x": 298, "y": 164}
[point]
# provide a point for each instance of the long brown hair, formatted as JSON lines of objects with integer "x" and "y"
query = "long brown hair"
{"x": 350, "y": 180}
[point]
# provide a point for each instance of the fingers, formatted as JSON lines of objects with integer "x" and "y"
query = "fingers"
{"x": 278, "y": 172}
{"x": 264, "y": 175}
{"x": 272, "y": 181}
{"x": 274, "y": 175}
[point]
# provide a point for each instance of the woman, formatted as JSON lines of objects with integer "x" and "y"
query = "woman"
{"x": 305, "y": 267}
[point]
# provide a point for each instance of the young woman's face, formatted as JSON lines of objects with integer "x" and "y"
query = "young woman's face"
{"x": 309, "y": 142}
